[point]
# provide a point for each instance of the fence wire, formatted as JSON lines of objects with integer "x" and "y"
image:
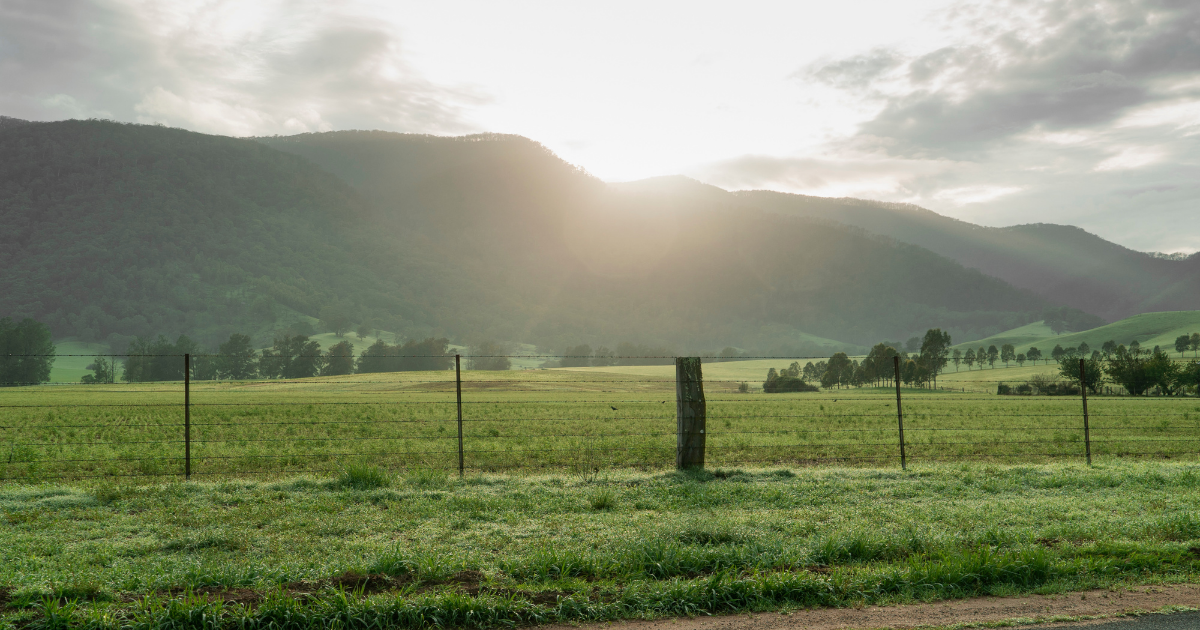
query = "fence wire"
{"x": 546, "y": 420}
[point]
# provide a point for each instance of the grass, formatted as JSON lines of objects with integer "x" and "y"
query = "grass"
{"x": 1149, "y": 329}
{"x": 551, "y": 420}
{"x": 487, "y": 549}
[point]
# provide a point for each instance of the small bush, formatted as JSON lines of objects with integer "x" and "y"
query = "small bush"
{"x": 363, "y": 477}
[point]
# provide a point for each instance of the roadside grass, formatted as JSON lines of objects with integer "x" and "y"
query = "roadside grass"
{"x": 427, "y": 549}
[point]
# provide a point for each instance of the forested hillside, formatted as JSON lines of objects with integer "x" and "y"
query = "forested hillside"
{"x": 1063, "y": 263}
{"x": 116, "y": 229}
{"x": 136, "y": 230}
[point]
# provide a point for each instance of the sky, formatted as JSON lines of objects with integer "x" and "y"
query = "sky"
{"x": 999, "y": 113}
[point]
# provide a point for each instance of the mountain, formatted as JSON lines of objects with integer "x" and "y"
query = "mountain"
{"x": 1061, "y": 263}
{"x": 115, "y": 230}
{"x": 602, "y": 252}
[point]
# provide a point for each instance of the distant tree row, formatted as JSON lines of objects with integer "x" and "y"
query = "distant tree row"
{"x": 1138, "y": 371}
{"x": 878, "y": 367}
{"x": 290, "y": 357}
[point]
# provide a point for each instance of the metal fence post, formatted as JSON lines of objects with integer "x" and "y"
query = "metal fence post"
{"x": 458, "y": 390}
{"x": 187, "y": 416}
{"x": 900, "y": 414}
{"x": 1087, "y": 434}
{"x": 690, "y": 413}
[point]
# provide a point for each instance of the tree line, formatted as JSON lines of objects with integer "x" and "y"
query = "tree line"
{"x": 918, "y": 369}
{"x": 289, "y": 357}
{"x": 1137, "y": 370}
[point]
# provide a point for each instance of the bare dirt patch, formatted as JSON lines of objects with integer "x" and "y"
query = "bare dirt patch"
{"x": 1099, "y": 603}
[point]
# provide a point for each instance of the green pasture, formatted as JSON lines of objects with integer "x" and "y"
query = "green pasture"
{"x": 426, "y": 549}
{"x": 564, "y": 419}
{"x": 1149, "y": 329}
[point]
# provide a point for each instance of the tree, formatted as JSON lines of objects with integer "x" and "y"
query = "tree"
{"x": 26, "y": 352}
{"x": 1182, "y": 344}
{"x": 103, "y": 371}
{"x": 1135, "y": 346}
{"x": 237, "y": 360}
{"x": 1007, "y": 353}
{"x": 335, "y": 319}
{"x": 363, "y": 331}
{"x": 292, "y": 357}
{"x": 981, "y": 356}
{"x": 992, "y": 355}
{"x": 956, "y": 357}
{"x": 488, "y": 355}
{"x": 156, "y": 360}
{"x": 577, "y": 356}
{"x": 1084, "y": 349}
{"x": 427, "y": 355}
{"x": 1195, "y": 343}
{"x": 339, "y": 359}
{"x": 912, "y": 345}
{"x": 1093, "y": 377}
{"x": 604, "y": 357}
{"x": 1033, "y": 354}
{"x": 729, "y": 353}
{"x": 1021, "y": 359}
{"x": 838, "y": 371}
{"x": 969, "y": 359}
{"x": 1057, "y": 352}
{"x": 935, "y": 348}
{"x": 1129, "y": 370}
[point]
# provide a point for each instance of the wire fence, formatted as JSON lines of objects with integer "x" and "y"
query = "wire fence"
{"x": 578, "y": 421}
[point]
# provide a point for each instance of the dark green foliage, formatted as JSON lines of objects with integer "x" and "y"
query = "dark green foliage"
{"x": 130, "y": 229}
{"x": 838, "y": 372}
{"x": 292, "y": 357}
{"x": 339, "y": 360}
{"x": 577, "y": 356}
{"x": 1067, "y": 319}
{"x": 488, "y": 355}
{"x": 157, "y": 360}
{"x": 785, "y": 384}
{"x": 238, "y": 360}
{"x": 1093, "y": 370}
{"x": 935, "y": 348}
{"x": 429, "y": 354}
{"x": 103, "y": 371}
{"x": 26, "y": 352}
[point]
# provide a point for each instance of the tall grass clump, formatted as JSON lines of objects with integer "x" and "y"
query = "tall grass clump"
{"x": 363, "y": 477}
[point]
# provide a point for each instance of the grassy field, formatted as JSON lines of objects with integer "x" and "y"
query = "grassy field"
{"x": 553, "y": 419}
{"x": 1149, "y": 329}
{"x": 369, "y": 549}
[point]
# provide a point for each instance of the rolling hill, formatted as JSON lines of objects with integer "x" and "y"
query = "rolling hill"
{"x": 1148, "y": 329}
{"x": 117, "y": 230}
{"x": 1062, "y": 263}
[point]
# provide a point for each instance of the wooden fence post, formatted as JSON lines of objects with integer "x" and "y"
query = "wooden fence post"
{"x": 900, "y": 415}
{"x": 690, "y": 413}
{"x": 1087, "y": 434}
{"x": 187, "y": 416}
{"x": 458, "y": 391}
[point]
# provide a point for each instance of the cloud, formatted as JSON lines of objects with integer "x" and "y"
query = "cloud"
{"x": 1055, "y": 66}
{"x": 220, "y": 67}
{"x": 1078, "y": 112}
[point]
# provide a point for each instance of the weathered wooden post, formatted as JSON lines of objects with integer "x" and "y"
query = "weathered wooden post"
{"x": 900, "y": 415}
{"x": 458, "y": 393}
{"x": 187, "y": 416}
{"x": 690, "y": 413}
{"x": 1087, "y": 432}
